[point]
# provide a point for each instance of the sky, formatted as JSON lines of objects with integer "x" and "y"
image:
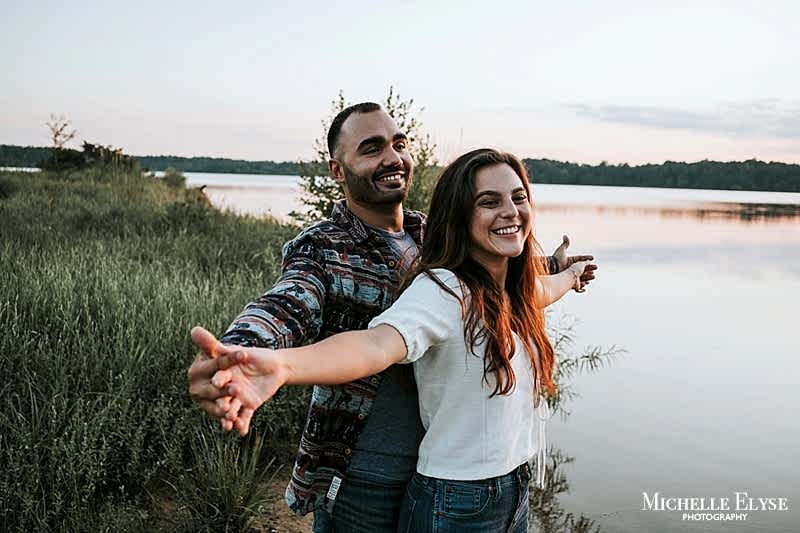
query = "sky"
{"x": 616, "y": 81}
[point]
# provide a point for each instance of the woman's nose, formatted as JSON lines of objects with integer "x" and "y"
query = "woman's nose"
{"x": 510, "y": 209}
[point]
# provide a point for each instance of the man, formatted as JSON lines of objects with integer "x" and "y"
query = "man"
{"x": 359, "y": 445}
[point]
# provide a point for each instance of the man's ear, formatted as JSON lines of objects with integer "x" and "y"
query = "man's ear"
{"x": 336, "y": 171}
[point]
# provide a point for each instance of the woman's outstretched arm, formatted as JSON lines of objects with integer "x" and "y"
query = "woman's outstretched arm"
{"x": 253, "y": 375}
{"x": 550, "y": 289}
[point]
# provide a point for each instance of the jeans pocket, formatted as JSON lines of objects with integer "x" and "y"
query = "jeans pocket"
{"x": 464, "y": 500}
{"x": 406, "y": 522}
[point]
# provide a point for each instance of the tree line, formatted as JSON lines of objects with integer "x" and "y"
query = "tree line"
{"x": 751, "y": 175}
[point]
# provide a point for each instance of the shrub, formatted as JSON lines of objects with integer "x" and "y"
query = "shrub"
{"x": 174, "y": 178}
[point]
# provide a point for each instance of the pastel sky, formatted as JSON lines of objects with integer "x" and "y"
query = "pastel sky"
{"x": 621, "y": 81}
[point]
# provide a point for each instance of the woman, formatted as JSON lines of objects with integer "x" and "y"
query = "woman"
{"x": 472, "y": 322}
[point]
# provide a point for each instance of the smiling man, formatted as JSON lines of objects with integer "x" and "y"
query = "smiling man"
{"x": 360, "y": 441}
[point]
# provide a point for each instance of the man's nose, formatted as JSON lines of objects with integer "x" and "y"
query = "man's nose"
{"x": 391, "y": 158}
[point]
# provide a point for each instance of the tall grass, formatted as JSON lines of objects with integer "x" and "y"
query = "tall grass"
{"x": 102, "y": 275}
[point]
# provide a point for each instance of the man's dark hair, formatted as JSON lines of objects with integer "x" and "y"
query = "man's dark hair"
{"x": 336, "y": 125}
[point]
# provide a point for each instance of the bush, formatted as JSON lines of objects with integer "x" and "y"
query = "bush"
{"x": 174, "y": 178}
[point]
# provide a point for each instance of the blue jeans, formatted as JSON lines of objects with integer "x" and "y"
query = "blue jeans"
{"x": 498, "y": 504}
{"x": 366, "y": 503}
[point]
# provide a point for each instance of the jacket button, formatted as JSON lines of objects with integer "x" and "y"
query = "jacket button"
{"x": 347, "y": 451}
{"x": 361, "y": 416}
{"x": 392, "y": 263}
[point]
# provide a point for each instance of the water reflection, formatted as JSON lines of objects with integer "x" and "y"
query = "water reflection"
{"x": 705, "y": 212}
{"x": 547, "y": 515}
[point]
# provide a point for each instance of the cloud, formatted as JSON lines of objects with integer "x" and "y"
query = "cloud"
{"x": 771, "y": 117}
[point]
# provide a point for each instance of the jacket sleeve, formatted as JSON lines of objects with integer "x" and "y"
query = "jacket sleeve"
{"x": 290, "y": 313}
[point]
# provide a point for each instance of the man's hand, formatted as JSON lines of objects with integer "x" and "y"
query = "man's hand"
{"x": 213, "y": 400}
{"x": 251, "y": 376}
{"x": 564, "y": 261}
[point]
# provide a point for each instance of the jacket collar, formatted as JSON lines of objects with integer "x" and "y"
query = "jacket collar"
{"x": 413, "y": 223}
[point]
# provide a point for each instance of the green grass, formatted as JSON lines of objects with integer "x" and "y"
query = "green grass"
{"x": 102, "y": 275}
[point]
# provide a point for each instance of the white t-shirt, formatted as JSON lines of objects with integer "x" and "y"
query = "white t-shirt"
{"x": 468, "y": 434}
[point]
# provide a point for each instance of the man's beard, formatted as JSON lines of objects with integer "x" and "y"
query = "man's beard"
{"x": 364, "y": 190}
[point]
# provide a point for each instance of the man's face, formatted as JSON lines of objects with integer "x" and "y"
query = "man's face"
{"x": 374, "y": 165}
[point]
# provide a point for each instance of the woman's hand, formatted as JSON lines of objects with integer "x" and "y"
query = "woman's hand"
{"x": 579, "y": 271}
{"x": 251, "y": 376}
{"x": 242, "y": 379}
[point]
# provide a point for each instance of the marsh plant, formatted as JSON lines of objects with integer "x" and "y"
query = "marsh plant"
{"x": 226, "y": 488}
{"x": 102, "y": 278}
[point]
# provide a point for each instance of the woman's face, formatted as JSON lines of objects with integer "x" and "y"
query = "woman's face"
{"x": 501, "y": 215}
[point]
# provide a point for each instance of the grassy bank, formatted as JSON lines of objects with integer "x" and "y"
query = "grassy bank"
{"x": 102, "y": 275}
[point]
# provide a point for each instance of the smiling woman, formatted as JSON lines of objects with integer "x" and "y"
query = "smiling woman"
{"x": 501, "y": 217}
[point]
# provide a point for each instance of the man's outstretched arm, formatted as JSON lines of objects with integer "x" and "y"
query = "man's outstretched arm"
{"x": 288, "y": 314}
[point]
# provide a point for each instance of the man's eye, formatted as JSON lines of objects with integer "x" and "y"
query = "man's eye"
{"x": 401, "y": 145}
{"x": 371, "y": 150}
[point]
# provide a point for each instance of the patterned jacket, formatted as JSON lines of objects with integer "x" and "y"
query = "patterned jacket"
{"x": 337, "y": 275}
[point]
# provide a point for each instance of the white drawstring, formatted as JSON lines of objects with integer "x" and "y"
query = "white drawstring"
{"x": 543, "y": 412}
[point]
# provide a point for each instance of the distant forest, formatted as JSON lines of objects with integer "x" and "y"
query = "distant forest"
{"x": 751, "y": 175}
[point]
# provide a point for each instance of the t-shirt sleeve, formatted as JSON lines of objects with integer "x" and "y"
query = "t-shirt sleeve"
{"x": 425, "y": 314}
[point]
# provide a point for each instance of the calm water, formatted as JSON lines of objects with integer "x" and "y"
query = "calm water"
{"x": 702, "y": 289}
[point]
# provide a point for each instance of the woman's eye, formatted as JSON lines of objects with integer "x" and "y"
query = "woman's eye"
{"x": 521, "y": 198}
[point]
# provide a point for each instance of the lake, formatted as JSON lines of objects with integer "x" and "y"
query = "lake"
{"x": 701, "y": 289}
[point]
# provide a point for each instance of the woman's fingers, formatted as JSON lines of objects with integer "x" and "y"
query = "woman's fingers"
{"x": 221, "y": 378}
{"x": 246, "y": 394}
{"x": 233, "y": 411}
{"x": 242, "y": 423}
{"x": 223, "y": 404}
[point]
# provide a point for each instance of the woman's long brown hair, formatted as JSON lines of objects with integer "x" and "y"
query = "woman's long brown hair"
{"x": 493, "y": 313}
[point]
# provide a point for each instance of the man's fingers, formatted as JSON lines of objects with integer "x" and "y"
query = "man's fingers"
{"x": 588, "y": 273}
{"x": 226, "y": 424}
{"x": 202, "y": 368}
{"x": 206, "y": 341}
{"x": 211, "y": 409}
{"x": 562, "y": 248}
{"x": 203, "y": 390}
